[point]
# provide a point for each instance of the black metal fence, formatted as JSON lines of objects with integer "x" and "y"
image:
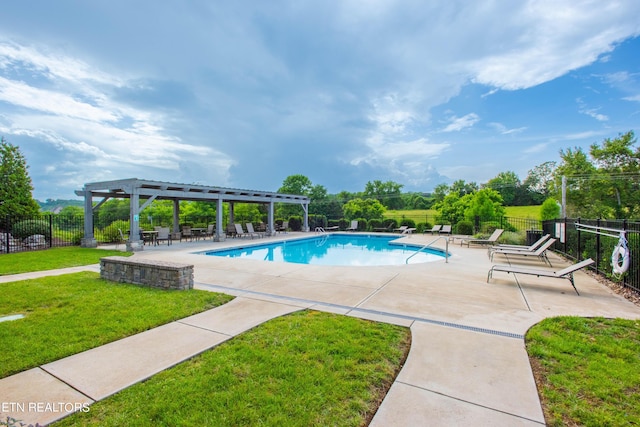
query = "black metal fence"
{"x": 51, "y": 230}
{"x": 597, "y": 241}
{"x": 39, "y": 232}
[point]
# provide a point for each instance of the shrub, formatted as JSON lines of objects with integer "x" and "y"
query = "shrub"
{"x": 317, "y": 221}
{"x": 295, "y": 223}
{"x": 111, "y": 233}
{"x": 24, "y": 229}
{"x": 362, "y": 224}
{"x": 465, "y": 228}
{"x": 513, "y": 238}
{"x": 375, "y": 223}
{"x": 408, "y": 222}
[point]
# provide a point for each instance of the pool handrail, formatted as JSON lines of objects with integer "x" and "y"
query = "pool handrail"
{"x": 446, "y": 251}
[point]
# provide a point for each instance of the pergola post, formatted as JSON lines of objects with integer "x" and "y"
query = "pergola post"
{"x": 305, "y": 225}
{"x": 88, "y": 241}
{"x": 270, "y": 221}
{"x": 134, "y": 243}
{"x": 176, "y": 216}
{"x": 220, "y": 236}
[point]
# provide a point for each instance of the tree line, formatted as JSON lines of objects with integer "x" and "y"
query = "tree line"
{"x": 602, "y": 182}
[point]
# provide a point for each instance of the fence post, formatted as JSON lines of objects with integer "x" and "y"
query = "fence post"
{"x": 578, "y": 251}
{"x": 6, "y": 231}
{"x": 598, "y": 243}
{"x": 50, "y": 231}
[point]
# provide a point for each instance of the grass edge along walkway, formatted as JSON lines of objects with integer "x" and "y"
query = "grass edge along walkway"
{"x": 586, "y": 370}
{"x": 52, "y": 259}
{"x": 71, "y": 313}
{"x": 305, "y": 368}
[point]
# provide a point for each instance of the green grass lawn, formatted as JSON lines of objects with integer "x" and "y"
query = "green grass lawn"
{"x": 422, "y": 215}
{"x": 587, "y": 370}
{"x": 304, "y": 369}
{"x": 71, "y": 313}
{"x": 532, "y": 212}
{"x": 49, "y": 259}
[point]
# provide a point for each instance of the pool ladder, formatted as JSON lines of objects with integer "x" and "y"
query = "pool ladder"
{"x": 446, "y": 251}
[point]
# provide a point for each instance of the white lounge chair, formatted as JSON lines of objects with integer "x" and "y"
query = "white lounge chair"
{"x": 251, "y": 231}
{"x": 240, "y": 231}
{"x": 566, "y": 273}
{"x": 401, "y": 229}
{"x": 541, "y": 252}
{"x": 446, "y": 229}
{"x": 354, "y": 226}
{"x": 490, "y": 241}
{"x": 529, "y": 248}
{"x": 436, "y": 228}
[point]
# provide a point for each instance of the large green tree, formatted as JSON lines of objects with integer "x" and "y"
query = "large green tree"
{"x": 363, "y": 208}
{"x": 388, "y": 193}
{"x": 618, "y": 173}
{"x": 604, "y": 183}
{"x": 507, "y": 184}
{"x": 295, "y": 184}
{"x": 16, "y": 188}
{"x": 540, "y": 181}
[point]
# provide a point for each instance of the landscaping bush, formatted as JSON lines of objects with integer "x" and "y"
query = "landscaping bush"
{"x": 408, "y": 222}
{"x": 317, "y": 221}
{"x": 111, "y": 233}
{"x": 464, "y": 228}
{"x": 30, "y": 227}
{"x": 336, "y": 222}
{"x": 513, "y": 238}
{"x": 375, "y": 223}
{"x": 295, "y": 223}
{"x": 362, "y": 224}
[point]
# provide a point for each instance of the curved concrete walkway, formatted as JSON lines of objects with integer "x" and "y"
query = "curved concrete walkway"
{"x": 467, "y": 364}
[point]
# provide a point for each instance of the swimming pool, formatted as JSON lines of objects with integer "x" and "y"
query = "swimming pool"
{"x": 335, "y": 249}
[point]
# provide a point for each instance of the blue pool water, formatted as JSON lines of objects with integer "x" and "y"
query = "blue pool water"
{"x": 335, "y": 249}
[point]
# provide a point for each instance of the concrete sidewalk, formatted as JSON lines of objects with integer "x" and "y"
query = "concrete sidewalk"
{"x": 467, "y": 364}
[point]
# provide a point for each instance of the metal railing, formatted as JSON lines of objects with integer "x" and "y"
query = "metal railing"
{"x": 580, "y": 243}
{"x": 446, "y": 251}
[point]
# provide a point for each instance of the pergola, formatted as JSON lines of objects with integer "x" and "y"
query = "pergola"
{"x": 142, "y": 193}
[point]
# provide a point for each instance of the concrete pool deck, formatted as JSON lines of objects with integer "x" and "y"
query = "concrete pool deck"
{"x": 467, "y": 364}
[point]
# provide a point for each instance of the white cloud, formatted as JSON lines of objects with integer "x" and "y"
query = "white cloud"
{"x": 560, "y": 36}
{"x": 502, "y": 129}
{"x": 459, "y": 123}
{"x": 537, "y": 148}
{"x": 591, "y": 112}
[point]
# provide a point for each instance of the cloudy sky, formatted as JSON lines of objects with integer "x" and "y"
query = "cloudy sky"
{"x": 243, "y": 94}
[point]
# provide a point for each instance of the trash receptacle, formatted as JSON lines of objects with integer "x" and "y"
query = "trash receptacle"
{"x": 533, "y": 236}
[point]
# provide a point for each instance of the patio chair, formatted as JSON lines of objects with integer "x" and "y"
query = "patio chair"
{"x": 436, "y": 228}
{"x": 211, "y": 229}
{"x": 240, "y": 231}
{"x": 566, "y": 273}
{"x": 250, "y": 230}
{"x": 401, "y": 229}
{"x": 186, "y": 233}
{"x": 541, "y": 252}
{"x": 490, "y": 241}
{"x": 164, "y": 234}
{"x": 529, "y": 248}
{"x": 231, "y": 230}
{"x": 283, "y": 227}
{"x": 354, "y": 226}
{"x": 122, "y": 239}
{"x": 446, "y": 229}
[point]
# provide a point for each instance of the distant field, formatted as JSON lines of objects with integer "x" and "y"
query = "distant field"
{"x": 429, "y": 215}
{"x": 532, "y": 212}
